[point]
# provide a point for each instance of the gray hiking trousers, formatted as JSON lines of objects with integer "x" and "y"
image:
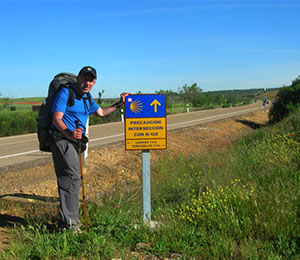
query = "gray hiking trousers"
{"x": 67, "y": 169}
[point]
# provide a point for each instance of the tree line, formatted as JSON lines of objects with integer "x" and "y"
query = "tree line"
{"x": 194, "y": 96}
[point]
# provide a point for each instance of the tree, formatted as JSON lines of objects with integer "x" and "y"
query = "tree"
{"x": 288, "y": 99}
{"x": 191, "y": 94}
{"x": 6, "y": 102}
{"x": 170, "y": 92}
{"x": 100, "y": 94}
{"x": 170, "y": 97}
{"x": 296, "y": 81}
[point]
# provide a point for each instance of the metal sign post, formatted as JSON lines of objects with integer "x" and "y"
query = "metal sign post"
{"x": 87, "y": 135}
{"x": 145, "y": 129}
{"x": 265, "y": 104}
{"x": 146, "y": 185}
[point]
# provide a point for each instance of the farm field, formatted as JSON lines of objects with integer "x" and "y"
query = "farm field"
{"x": 23, "y": 104}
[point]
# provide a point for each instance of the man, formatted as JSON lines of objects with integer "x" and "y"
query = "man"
{"x": 66, "y": 134}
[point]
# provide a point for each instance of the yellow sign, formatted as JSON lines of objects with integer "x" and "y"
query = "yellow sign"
{"x": 145, "y": 122}
{"x": 149, "y": 128}
{"x": 145, "y": 133}
{"x": 146, "y": 144}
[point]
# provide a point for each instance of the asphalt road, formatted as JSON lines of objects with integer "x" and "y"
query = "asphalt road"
{"x": 16, "y": 151}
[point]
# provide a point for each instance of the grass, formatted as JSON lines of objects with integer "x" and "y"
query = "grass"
{"x": 242, "y": 203}
{"x": 180, "y": 108}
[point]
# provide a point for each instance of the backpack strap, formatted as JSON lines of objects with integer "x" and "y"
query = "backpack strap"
{"x": 71, "y": 97}
{"x": 89, "y": 97}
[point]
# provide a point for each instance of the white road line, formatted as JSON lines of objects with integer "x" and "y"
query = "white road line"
{"x": 17, "y": 154}
{"x": 106, "y": 137}
{"x": 34, "y": 151}
{"x": 206, "y": 118}
{"x": 18, "y": 142}
{"x": 118, "y": 135}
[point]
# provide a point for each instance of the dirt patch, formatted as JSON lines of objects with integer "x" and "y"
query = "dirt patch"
{"x": 111, "y": 165}
{"x": 27, "y": 102}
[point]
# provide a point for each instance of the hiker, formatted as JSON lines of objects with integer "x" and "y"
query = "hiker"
{"x": 66, "y": 136}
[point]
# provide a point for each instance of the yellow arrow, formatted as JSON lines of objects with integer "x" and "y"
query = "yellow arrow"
{"x": 155, "y": 103}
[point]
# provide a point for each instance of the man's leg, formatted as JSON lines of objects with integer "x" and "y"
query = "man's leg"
{"x": 67, "y": 169}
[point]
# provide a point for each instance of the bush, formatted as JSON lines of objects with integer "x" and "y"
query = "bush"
{"x": 288, "y": 99}
{"x": 24, "y": 122}
{"x": 16, "y": 123}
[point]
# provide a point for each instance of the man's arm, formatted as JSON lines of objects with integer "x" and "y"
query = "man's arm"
{"x": 102, "y": 112}
{"x": 61, "y": 126}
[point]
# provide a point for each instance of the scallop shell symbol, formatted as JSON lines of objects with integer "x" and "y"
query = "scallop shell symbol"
{"x": 136, "y": 106}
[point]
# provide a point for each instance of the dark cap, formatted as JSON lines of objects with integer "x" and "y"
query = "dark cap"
{"x": 86, "y": 70}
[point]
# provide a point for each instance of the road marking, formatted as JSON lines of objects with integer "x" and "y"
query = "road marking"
{"x": 206, "y": 118}
{"x": 106, "y": 137}
{"x": 34, "y": 151}
{"x": 17, "y": 154}
{"x": 18, "y": 142}
{"x": 118, "y": 135}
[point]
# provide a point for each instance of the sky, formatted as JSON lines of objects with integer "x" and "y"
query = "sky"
{"x": 148, "y": 45}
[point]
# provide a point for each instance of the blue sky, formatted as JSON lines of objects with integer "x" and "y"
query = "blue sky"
{"x": 149, "y": 45}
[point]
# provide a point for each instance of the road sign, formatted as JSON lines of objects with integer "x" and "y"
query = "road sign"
{"x": 145, "y": 122}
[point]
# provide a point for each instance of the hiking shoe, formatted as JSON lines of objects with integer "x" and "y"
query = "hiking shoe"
{"x": 77, "y": 230}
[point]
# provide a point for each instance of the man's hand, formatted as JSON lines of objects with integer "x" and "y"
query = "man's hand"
{"x": 61, "y": 126}
{"x": 123, "y": 96}
{"x": 77, "y": 134}
{"x": 102, "y": 112}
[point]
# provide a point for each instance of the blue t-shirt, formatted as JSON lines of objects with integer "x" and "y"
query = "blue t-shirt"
{"x": 81, "y": 109}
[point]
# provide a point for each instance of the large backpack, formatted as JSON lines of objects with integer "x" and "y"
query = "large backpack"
{"x": 44, "y": 119}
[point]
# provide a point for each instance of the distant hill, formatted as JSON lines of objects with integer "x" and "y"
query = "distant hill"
{"x": 258, "y": 92}
{"x": 253, "y": 91}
